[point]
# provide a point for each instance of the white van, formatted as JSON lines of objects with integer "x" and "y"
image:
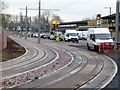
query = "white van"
{"x": 83, "y": 35}
{"x": 71, "y": 35}
{"x": 96, "y": 36}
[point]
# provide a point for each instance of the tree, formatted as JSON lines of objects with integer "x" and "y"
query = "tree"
{"x": 3, "y": 6}
{"x": 46, "y": 18}
{"x": 6, "y": 18}
{"x": 56, "y": 17}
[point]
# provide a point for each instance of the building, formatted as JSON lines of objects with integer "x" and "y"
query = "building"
{"x": 91, "y": 24}
{"x": 96, "y": 22}
{"x": 109, "y": 22}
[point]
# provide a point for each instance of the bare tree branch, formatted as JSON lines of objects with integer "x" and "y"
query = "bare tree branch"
{"x": 3, "y": 5}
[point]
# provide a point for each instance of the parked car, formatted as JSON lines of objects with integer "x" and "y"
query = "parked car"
{"x": 42, "y": 35}
{"x": 31, "y": 34}
{"x": 83, "y": 35}
{"x": 35, "y": 34}
{"x": 46, "y": 36}
{"x": 52, "y": 37}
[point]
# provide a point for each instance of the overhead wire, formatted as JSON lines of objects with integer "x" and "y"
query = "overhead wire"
{"x": 70, "y": 4}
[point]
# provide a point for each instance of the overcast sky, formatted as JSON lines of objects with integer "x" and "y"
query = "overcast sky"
{"x": 70, "y": 10}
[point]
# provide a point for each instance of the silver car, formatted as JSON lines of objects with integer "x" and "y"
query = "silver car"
{"x": 52, "y": 37}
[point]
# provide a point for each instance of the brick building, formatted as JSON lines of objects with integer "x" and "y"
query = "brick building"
{"x": 109, "y": 22}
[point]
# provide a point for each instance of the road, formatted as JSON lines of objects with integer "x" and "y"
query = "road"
{"x": 80, "y": 68}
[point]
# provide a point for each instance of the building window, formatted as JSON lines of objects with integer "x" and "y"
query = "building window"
{"x": 105, "y": 21}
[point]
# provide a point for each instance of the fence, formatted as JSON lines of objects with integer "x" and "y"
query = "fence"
{"x": 106, "y": 47}
{"x": 119, "y": 45}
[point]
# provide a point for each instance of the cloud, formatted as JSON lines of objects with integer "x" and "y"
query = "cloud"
{"x": 69, "y": 9}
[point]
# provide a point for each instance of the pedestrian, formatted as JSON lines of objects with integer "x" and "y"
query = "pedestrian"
{"x": 19, "y": 34}
{"x": 64, "y": 37}
{"x": 23, "y": 34}
{"x": 57, "y": 38}
{"x": 28, "y": 34}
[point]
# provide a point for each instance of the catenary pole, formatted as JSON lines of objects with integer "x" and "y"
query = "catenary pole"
{"x": 110, "y": 20}
{"x": 117, "y": 39}
{"x": 110, "y": 16}
{"x": 26, "y": 24}
{"x": 30, "y": 25}
{"x": 39, "y": 23}
{"x": 39, "y": 26}
{"x": 16, "y": 24}
{"x": 117, "y": 25}
{"x": 20, "y": 24}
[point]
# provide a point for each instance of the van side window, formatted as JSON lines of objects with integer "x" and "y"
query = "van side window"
{"x": 91, "y": 36}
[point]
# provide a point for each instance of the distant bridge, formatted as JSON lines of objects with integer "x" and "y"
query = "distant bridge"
{"x": 72, "y": 25}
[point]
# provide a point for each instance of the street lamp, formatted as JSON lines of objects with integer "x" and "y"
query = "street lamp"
{"x": 110, "y": 15}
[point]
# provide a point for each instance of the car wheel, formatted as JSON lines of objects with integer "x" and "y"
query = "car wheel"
{"x": 88, "y": 46}
{"x": 77, "y": 41}
{"x": 95, "y": 48}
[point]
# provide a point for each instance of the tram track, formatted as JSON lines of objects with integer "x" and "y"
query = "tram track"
{"x": 83, "y": 70}
{"x": 50, "y": 59}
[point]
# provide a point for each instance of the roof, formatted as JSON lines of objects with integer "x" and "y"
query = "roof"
{"x": 74, "y": 22}
{"x": 68, "y": 27}
{"x": 112, "y": 16}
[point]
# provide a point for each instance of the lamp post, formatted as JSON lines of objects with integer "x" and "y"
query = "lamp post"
{"x": 110, "y": 15}
{"x": 117, "y": 25}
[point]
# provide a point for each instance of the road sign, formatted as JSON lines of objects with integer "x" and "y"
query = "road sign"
{"x": 55, "y": 22}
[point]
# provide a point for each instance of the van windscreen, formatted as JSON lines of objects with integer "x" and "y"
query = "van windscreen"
{"x": 102, "y": 36}
{"x": 73, "y": 34}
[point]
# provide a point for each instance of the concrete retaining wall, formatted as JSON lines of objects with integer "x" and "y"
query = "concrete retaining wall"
{"x": 3, "y": 40}
{"x": 11, "y": 33}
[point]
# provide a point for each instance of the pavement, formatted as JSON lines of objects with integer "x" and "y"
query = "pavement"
{"x": 115, "y": 83}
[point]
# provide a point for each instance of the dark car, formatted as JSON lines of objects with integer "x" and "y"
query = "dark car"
{"x": 42, "y": 35}
{"x": 46, "y": 36}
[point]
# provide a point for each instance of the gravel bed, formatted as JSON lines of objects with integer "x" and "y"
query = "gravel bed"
{"x": 63, "y": 59}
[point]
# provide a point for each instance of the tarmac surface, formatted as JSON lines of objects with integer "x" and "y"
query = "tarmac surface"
{"x": 81, "y": 68}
